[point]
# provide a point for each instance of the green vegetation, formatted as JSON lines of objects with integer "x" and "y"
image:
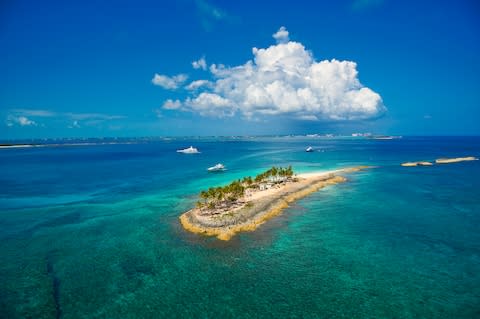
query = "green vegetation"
{"x": 216, "y": 197}
{"x": 275, "y": 174}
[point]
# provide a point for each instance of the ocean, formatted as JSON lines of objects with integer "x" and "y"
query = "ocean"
{"x": 92, "y": 231}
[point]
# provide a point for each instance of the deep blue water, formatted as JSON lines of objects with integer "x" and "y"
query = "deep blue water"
{"x": 92, "y": 232}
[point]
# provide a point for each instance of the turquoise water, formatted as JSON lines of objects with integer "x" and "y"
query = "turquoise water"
{"x": 92, "y": 232}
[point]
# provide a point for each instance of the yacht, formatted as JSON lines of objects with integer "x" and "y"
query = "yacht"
{"x": 190, "y": 150}
{"x": 217, "y": 168}
{"x": 309, "y": 149}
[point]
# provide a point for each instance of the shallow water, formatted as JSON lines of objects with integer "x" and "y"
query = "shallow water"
{"x": 93, "y": 232}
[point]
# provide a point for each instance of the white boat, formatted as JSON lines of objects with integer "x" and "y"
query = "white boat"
{"x": 309, "y": 149}
{"x": 190, "y": 150}
{"x": 217, "y": 168}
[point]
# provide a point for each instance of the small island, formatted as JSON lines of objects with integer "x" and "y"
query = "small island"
{"x": 245, "y": 204}
{"x": 421, "y": 163}
{"x": 440, "y": 161}
{"x": 455, "y": 160}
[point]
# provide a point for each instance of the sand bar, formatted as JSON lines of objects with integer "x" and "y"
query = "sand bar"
{"x": 421, "y": 163}
{"x": 455, "y": 160}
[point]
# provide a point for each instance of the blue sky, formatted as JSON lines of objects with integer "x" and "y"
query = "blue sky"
{"x": 124, "y": 68}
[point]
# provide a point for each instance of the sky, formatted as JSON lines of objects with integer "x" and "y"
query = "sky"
{"x": 210, "y": 67}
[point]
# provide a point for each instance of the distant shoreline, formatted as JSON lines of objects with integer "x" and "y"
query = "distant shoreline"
{"x": 16, "y": 145}
{"x": 8, "y": 146}
{"x": 258, "y": 206}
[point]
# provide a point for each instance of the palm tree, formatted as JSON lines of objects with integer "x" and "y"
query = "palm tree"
{"x": 274, "y": 172}
{"x": 211, "y": 195}
{"x": 239, "y": 190}
{"x": 219, "y": 193}
{"x": 236, "y": 189}
{"x": 204, "y": 196}
{"x": 289, "y": 171}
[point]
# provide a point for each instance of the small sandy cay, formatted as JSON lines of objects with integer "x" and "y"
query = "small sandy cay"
{"x": 262, "y": 198}
{"x": 422, "y": 163}
{"x": 455, "y": 160}
{"x": 440, "y": 161}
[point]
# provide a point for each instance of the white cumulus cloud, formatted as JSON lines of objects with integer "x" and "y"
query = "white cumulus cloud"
{"x": 32, "y": 117}
{"x": 281, "y": 35}
{"x": 285, "y": 79}
{"x": 200, "y": 64}
{"x": 168, "y": 82}
{"x": 25, "y": 121}
{"x": 20, "y": 120}
{"x": 195, "y": 85}
{"x": 171, "y": 104}
{"x": 210, "y": 104}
